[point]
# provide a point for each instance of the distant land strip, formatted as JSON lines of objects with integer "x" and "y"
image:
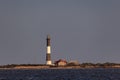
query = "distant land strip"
{"x": 68, "y": 66}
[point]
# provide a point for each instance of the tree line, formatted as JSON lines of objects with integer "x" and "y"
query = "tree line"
{"x": 83, "y": 65}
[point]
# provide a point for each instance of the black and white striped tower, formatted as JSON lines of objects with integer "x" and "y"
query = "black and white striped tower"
{"x": 48, "y": 54}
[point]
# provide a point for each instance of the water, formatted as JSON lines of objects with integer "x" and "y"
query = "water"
{"x": 61, "y": 74}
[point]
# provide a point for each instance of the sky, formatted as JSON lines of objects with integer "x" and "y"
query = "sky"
{"x": 82, "y": 30}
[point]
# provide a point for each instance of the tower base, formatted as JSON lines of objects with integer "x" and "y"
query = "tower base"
{"x": 48, "y": 62}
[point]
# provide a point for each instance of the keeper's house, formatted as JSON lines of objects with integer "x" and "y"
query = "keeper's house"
{"x": 60, "y": 62}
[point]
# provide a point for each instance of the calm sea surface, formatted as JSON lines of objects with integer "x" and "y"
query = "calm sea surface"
{"x": 61, "y": 74}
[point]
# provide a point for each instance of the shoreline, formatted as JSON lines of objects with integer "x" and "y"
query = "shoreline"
{"x": 56, "y": 67}
{"x": 72, "y": 66}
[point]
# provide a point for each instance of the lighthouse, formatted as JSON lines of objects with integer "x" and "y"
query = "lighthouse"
{"x": 48, "y": 52}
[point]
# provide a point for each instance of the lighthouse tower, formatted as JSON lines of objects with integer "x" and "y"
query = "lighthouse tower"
{"x": 48, "y": 54}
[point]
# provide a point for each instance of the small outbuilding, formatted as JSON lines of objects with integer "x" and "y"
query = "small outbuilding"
{"x": 61, "y": 62}
{"x": 73, "y": 63}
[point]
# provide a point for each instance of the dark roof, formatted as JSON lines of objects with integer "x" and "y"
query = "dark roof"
{"x": 60, "y": 60}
